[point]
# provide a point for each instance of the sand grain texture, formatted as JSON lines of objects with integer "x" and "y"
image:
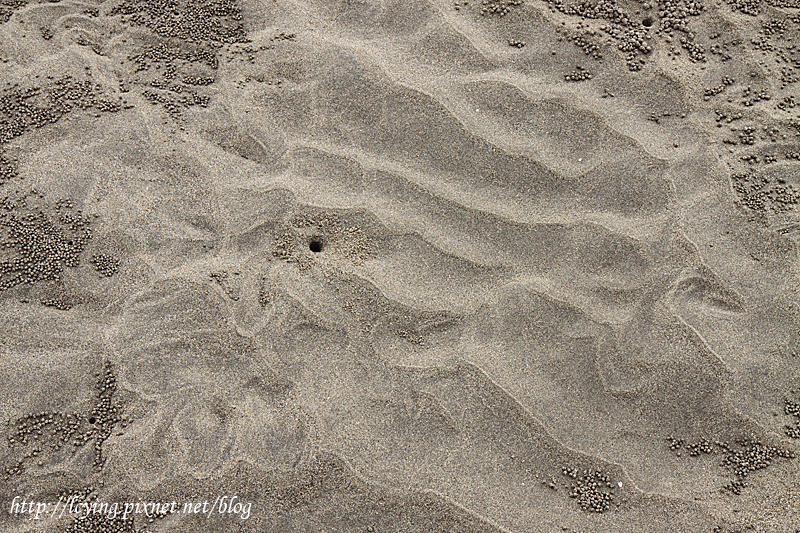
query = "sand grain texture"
{"x": 402, "y": 265}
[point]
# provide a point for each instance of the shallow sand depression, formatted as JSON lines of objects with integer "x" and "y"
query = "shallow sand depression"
{"x": 400, "y": 265}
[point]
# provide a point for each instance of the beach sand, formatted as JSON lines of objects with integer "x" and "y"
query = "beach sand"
{"x": 401, "y": 265}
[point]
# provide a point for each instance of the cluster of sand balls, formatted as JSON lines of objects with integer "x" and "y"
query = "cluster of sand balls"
{"x": 753, "y": 456}
{"x": 165, "y": 60}
{"x": 174, "y": 102}
{"x": 579, "y": 74}
{"x": 792, "y": 408}
{"x": 753, "y": 97}
{"x": 674, "y": 443}
{"x": 498, "y": 7}
{"x": 589, "y": 47}
{"x": 105, "y": 264}
{"x": 106, "y": 413}
{"x": 8, "y": 169}
{"x": 787, "y": 103}
{"x": 632, "y": 36}
{"x": 700, "y": 447}
{"x": 593, "y": 9}
{"x": 62, "y": 302}
{"x": 632, "y": 40}
{"x": 747, "y": 135}
{"x": 39, "y": 244}
{"x": 697, "y": 51}
{"x": 86, "y": 494}
{"x": 198, "y": 80}
{"x": 22, "y": 109}
{"x": 748, "y": 7}
{"x": 94, "y": 522}
{"x": 312, "y": 233}
{"x": 58, "y": 429}
{"x": 264, "y": 293}
{"x": 713, "y": 91}
{"x": 727, "y": 116}
{"x": 99, "y": 523}
{"x": 217, "y": 21}
{"x": 757, "y": 193}
{"x": 775, "y": 27}
{"x": 7, "y": 8}
{"x": 735, "y": 487}
{"x": 673, "y": 14}
{"x": 166, "y": 53}
{"x": 591, "y": 489}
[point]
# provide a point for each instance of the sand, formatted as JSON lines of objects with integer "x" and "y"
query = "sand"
{"x": 401, "y": 265}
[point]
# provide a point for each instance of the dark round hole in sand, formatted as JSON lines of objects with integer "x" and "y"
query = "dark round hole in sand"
{"x": 315, "y": 245}
{"x": 92, "y": 420}
{"x": 648, "y": 21}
